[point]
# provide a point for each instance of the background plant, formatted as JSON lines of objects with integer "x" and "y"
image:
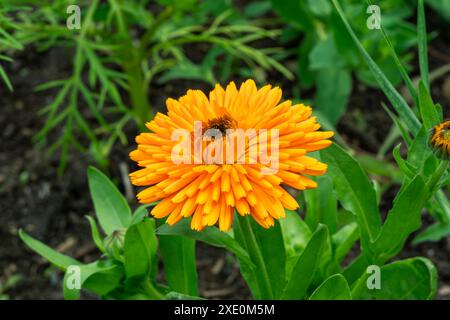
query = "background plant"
{"x": 327, "y": 57}
{"x": 121, "y": 49}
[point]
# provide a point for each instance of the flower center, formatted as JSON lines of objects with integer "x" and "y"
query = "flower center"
{"x": 221, "y": 123}
{"x": 446, "y": 134}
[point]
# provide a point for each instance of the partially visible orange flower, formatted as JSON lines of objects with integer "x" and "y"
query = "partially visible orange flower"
{"x": 440, "y": 139}
{"x": 210, "y": 192}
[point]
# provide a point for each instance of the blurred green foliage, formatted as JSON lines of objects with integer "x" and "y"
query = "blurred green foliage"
{"x": 327, "y": 57}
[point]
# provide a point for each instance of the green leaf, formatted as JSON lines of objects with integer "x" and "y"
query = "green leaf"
{"x": 320, "y": 7}
{"x": 428, "y": 111}
{"x": 306, "y": 266}
{"x": 378, "y": 166}
{"x": 104, "y": 282}
{"x": 58, "y": 259}
{"x": 405, "y": 167}
{"x": 178, "y": 255}
{"x": 397, "y": 101}
{"x": 419, "y": 151}
{"x": 402, "y": 220}
{"x": 296, "y": 235}
{"x": 84, "y": 272}
{"x": 355, "y": 269}
{"x": 334, "y": 287}
{"x": 324, "y": 55}
{"x": 354, "y": 191}
{"x": 210, "y": 235}
{"x": 271, "y": 246}
{"x": 261, "y": 282}
{"x": 410, "y": 279}
{"x": 111, "y": 208}
{"x": 398, "y": 63}
{"x": 5, "y": 78}
{"x": 441, "y": 7}
{"x": 344, "y": 239}
{"x": 140, "y": 249}
{"x": 398, "y": 123}
{"x": 294, "y": 12}
{"x": 96, "y": 234}
{"x": 321, "y": 204}
{"x": 435, "y": 232}
{"x": 333, "y": 90}
{"x": 423, "y": 44}
{"x": 140, "y": 213}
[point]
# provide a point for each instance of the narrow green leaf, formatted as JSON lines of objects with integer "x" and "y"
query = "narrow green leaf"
{"x": 334, "y": 287}
{"x": 398, "y": 123}
{"x": 306, "y": 266}
{"x": 178, "y": 255}
{"x": 110, "y": 205}
{"x": 5, "y": 78}
{"x": 96, "y": 234}
{"x": 321, "y": 204}
{"x": 355, "y": 269}
{"x": 58, "y": 259}
{"x": 140, "y": 248}
{"x": 407, "y": 169}
{"x": 441, "y": 7}
{"x": 401, "y": 68}
{"x": 397, "y": 101}
{"x": 354, "y": 191}
{"x": 419, "y": 151}
{"x": 423, "y": 44}
{"x": 428, "y": 111}
{"x": 271, "y": 245}
{"x": 210, "y": 235}
{"x": 402, "y": 220}
{"x": 296, "y": 235}
{"x": 259, "y": 282}
{"x": 343, "y": 240}
{"x": 434, "y": 233}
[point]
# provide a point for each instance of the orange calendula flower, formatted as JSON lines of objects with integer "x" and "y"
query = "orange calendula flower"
{"x": 233, "y": 150}
{"x": 440, "y": 139}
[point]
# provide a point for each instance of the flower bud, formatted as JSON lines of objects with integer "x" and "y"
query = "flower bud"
{"x": 114, "y": 244}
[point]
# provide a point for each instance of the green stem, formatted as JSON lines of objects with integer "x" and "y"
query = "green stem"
{"x": 437, "y": 175}
{"x": 138, "y": 91}
{"x": 148, "y": 36}
{"x": 151, "y": 291}
{"x": 132, "y": 65}
{"x": 256, "y": 257}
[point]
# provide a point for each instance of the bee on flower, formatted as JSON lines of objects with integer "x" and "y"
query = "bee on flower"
{"x": 232, "y": 150}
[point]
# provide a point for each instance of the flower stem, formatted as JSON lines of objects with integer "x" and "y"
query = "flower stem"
{"x": 138, "y": 91}
{"x": 256, "y": 257}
